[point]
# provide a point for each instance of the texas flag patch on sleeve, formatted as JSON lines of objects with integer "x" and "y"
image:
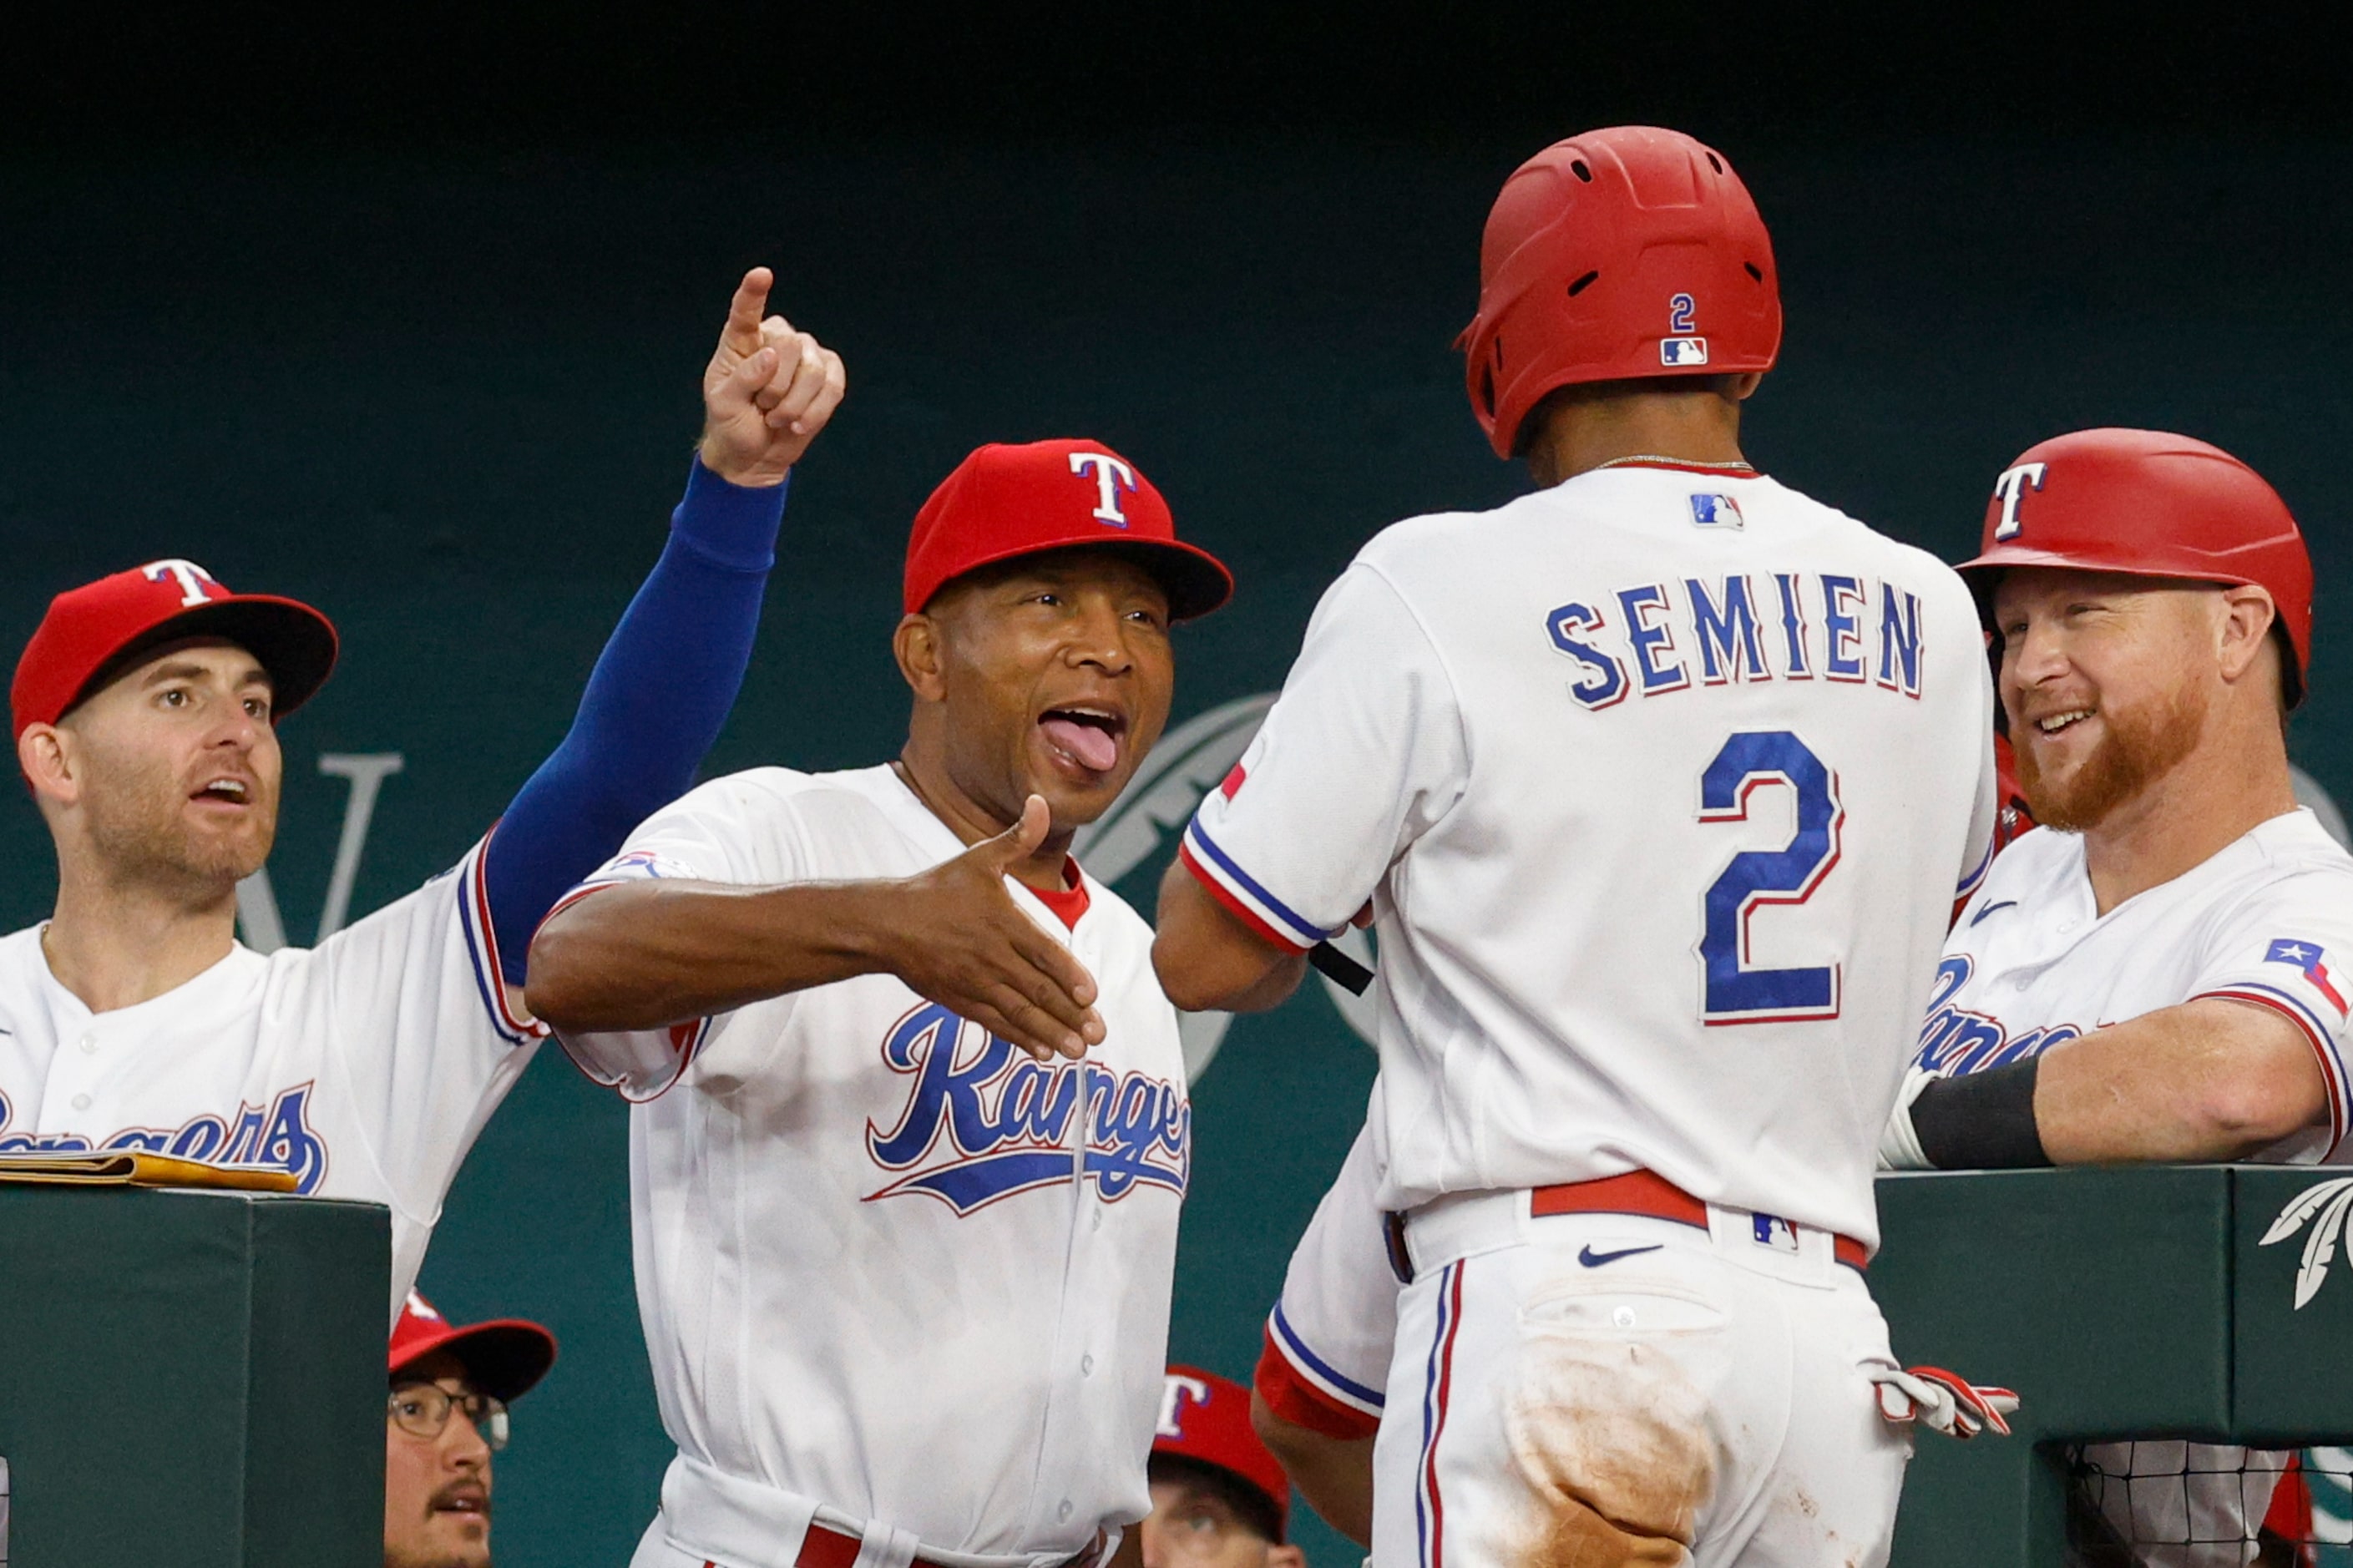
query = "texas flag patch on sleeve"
{"x": 2306, "y": 956}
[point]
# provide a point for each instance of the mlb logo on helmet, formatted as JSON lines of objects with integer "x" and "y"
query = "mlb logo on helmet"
{"x": 1682, "y": 353}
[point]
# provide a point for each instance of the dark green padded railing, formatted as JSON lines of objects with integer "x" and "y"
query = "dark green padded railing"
{"x": 191, "y": 1378}
{"x": 2139, "y": 1302}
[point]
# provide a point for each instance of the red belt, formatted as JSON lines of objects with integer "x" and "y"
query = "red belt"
{"x": 1654, "y": 1197}
{"x": 823, "y": 1548}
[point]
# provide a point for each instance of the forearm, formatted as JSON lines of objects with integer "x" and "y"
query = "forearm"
{"x": 659, "y": 693}
{"x": 642, "y": 955}
{"x": 2209, "y": 1080}
{"x": 1207, "y": 958}
{"x": 2212, "y": 1080}
{"x": 1333, "y": 1474}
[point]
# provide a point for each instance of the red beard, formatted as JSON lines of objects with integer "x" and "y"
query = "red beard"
{"x": 2143, "y": 745}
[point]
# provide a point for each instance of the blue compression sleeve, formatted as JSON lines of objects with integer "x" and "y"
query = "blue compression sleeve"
{"x": 653, "y": 706}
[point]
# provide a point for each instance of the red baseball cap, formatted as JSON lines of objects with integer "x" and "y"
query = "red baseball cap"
{"x": 93, "y": 632}
{"x": 502, "y": 1358}
{"x": 1005, "y": 502}
{"x": 1207, "y": 1419}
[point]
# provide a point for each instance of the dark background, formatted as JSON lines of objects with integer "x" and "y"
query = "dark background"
{"x": 405, "y": 313}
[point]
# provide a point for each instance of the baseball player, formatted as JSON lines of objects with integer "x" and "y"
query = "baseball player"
{"x": 1660, "y": 783}
{"x": 2162, "y": 977}
{"x": 146, "y": 708}
{"x": 1317, "y": 1393}
{"x": 445, "y": 1416}
{"x": 1218, "y": 1499}
{"x": 909, "y": 1129}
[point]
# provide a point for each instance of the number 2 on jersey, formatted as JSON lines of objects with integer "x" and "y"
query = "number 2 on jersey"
{"x": 1736, "y": 993}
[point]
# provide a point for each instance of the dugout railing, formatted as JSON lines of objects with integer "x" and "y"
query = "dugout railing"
{"x": 191, "y": 1378}
{"x": 2210, "y": 1304}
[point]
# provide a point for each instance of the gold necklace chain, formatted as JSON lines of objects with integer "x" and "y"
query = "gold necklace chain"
{"x": 1734, "y": 468}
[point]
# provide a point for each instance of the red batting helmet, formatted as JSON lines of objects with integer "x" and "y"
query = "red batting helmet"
{"x": 2149, "y": 504}
{"x": 1620, "y": 252}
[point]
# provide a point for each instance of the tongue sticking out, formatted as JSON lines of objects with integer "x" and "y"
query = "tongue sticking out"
{"x": 1093, "y": 748}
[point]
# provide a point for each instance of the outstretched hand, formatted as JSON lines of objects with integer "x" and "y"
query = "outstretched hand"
{"x": 963, "y": 942}
{"x": 768, "y": 391}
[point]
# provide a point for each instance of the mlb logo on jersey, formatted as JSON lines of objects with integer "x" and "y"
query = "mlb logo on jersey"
{"x": 2305, "y": 956}
{"x": 1771, "y": 1230}
{"x": 1680, "y": 352}
{"x": 1716, "y": 511}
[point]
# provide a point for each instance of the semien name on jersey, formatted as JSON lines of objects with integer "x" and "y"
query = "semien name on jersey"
{"x": 1653, "y": 638}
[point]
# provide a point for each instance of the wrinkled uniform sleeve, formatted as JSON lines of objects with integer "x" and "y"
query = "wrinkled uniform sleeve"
{"x": 2290, "y": 949}
{"x": 705, "y": 835}
{"x": 1328, "y": 1340}
{"x": 423, "y": 1039}
{"x": 1360, "y": 756}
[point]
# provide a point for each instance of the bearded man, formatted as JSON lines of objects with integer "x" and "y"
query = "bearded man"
{"x": 2160, "y": 972}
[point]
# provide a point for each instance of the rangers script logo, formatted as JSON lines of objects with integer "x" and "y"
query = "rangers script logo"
{"x": 985, "y": 1122}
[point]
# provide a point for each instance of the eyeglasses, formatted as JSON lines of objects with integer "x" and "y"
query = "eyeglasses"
{"x": 422, "y": 1410}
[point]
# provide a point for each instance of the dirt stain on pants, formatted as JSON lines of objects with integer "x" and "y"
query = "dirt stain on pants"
{"x": 1613, "y": 1443}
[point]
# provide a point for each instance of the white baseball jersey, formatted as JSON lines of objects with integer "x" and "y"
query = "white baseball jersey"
{"x": 1330, "y": 1337}
{"x": 366, "y": 1065}
{"x": 1661, "y": 782}
{"x": 2032, "y": 963}
{"x": 896, "y": 1275}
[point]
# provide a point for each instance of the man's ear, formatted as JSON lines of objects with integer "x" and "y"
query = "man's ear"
{"x": 1745, "y": 385}
{"x": 1285, "y": 1557}
{"x": 916, "y": 645}
{"x": 45, "y": 753}
{"x": 2247, "y": 616}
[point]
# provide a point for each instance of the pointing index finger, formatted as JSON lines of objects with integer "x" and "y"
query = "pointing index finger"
{"x": 744, "y": 312}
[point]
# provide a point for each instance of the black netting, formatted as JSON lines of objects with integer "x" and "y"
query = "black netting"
{"x": 2168, "y": 1504}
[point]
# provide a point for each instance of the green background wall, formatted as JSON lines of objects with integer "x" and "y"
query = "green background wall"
{"x": 448, "y": 394}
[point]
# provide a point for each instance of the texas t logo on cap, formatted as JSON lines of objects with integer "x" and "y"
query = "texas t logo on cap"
{"x": 96, "y": 632}
{"x": 1007, "y": 502}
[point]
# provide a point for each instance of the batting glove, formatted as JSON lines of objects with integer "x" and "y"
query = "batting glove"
{"x": 1899, "y": 1141}
{"x": 1942, "y": 1400}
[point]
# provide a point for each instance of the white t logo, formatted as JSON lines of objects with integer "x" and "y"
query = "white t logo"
{"x": 187, "y": 573}
{"x": 1176, "y": 1391}
{"x": 1111, "y": 476}
{"x": 2014, "y": 484}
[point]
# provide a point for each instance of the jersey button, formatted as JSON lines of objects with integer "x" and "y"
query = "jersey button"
{"x": 1064, "y": 1511}
{"x": 1086, "y": 1366}
{"x": 81, "y": 1102}
{"x": 1098, "y": 1220}
{"x": 88, "y": 1044}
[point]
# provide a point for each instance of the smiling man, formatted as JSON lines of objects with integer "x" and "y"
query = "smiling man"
{"x": 911, "y": 1131}
{"x": 2159, "y": 973}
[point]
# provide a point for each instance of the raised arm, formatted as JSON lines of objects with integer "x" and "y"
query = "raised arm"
{"x": 669, "y": 675}
{"x": 643, "y": 954}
